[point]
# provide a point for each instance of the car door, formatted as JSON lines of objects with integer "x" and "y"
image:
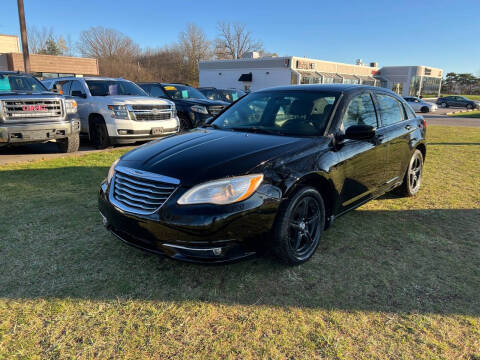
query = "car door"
{"x": 78, "y": 92}
{"x": 362, "y": 161}
{"x": 396, "y": 130}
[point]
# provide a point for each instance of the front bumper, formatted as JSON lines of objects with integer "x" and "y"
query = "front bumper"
{"x": 37, "y": 132}
{"x": 197, "y": 233}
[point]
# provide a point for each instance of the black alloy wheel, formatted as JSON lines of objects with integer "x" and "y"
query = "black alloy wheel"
{"x": 425, "y": 109}
{"x": 413, "y": 177}
{"x": 444, "y": 105}
{"x": 299, "y": 226}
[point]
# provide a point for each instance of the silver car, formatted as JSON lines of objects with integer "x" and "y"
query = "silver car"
{"x": 419, "y": 105}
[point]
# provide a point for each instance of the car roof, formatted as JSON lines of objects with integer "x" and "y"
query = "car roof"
{"x": 340, "y": 88}
{"x": 8, "y": 72}
{"x": 89, "y": 78}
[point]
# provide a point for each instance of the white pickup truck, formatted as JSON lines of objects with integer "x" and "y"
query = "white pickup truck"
{"x": 117, "y": 111}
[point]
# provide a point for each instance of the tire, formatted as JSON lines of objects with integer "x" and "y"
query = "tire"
{"x": 185, "y": 124}
{"x": 425, "y": 109}
{"x": 443, "y": 105}
{"x": 99, "y": 134}
{"x": 469, "y": 106}
{"x": 413, "y": 176}
{"x": 299, "y": 226}
{"x": 69, "y": 144}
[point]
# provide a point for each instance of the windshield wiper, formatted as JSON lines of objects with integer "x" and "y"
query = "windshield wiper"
{"x": 257, "y": 130}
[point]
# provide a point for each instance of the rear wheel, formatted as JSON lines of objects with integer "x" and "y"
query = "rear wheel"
{"x": 413, "y": 177}
{"x": 299, "y": 226}
{"x": 99, "y": 134}
{"x": 443, "y": 105}
{"x": 69, "y": 144}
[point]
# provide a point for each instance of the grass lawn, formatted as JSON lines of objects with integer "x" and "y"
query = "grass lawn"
{"x": 470, "y": 114}
{"x": 396, "y": 279}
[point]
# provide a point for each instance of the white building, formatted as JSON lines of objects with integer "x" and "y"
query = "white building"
{"x": 253, "y": 73}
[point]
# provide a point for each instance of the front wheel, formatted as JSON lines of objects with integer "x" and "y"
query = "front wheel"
{"x": 413, "y": 177}
{"x": 425, "y": 109}
{"x": 299, "y": 226}
{"x": 69, "y": 144}
{"x": 469, "y": 106}
{"x": 99, "y": 134}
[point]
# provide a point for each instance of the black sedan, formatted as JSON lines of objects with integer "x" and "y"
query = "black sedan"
{"x": 192, "y": 106}
{"x": 272, "y": 171}
{"x": 457, "y": 101}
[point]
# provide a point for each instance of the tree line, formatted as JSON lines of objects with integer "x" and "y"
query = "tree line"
{"x": 120, "y": 56}
{"x": 461, "y": 84}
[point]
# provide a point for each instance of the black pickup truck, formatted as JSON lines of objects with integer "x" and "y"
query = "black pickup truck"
{"x": 29, "y": 113}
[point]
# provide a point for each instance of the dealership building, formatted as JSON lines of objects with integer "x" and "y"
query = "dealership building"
{"x": 253, "y": 72}
{"x": 43, "y": 66}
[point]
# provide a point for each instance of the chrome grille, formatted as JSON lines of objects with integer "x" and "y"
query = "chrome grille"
{"x": 41, "y": 108}
{"x": 214, "y": 110}
{"x": 151, "y": 112}
{"x": 139, "y": 191}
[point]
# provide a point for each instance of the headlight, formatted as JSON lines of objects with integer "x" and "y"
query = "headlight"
{"x": 221, "y": 192}
{"x": 199, "y": 109}
{"x": 70, "y": 106}
{"x": 119, "y": 111}
{"x": 111, "y": 172}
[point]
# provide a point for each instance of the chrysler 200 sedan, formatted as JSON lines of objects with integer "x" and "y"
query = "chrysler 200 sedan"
{"x": 272, "y": 171}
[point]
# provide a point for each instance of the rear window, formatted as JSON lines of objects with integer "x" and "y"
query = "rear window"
{"x": 391, "y": 109}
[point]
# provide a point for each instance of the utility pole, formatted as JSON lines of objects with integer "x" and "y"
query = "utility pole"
{"x": 23, "y": 32}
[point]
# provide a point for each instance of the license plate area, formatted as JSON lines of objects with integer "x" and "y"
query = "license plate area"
{"x": 157, "y": 131}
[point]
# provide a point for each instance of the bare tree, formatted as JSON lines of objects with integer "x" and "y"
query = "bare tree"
{"x": 38, "y": 38}
{"x": 195, "y": 46}
{"x": 234, "y": 40}
{"x": 100, "y": 42}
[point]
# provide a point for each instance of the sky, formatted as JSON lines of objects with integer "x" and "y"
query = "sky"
{"x": 443, "y": 34}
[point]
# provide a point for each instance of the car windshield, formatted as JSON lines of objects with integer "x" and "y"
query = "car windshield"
{"x": 114, "y": 87}
{"x": 178, "y": 92}
{"x": 14, "y": 82}
{"x": 294, "y": 113}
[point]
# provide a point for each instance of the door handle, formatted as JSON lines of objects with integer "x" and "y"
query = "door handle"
{"x": 408, "y": 127}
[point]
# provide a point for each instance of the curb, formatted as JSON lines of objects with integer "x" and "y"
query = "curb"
{"x": 460, "y": 111}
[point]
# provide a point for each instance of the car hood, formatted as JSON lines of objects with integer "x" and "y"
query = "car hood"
{"x": 204, "y": 102}
{"x": 202, "y": 155}
{"x": 128, "y": 99}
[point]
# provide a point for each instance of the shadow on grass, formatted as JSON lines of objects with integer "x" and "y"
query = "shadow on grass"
{"x": 54, "y": 246}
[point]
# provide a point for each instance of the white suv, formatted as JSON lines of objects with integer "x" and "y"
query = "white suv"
{"x": 117, "y": 111}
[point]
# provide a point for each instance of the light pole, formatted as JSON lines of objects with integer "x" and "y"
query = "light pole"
{"x": 23, "y": 32}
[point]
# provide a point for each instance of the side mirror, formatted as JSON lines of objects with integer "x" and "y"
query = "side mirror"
{"x": 360, "y": 132}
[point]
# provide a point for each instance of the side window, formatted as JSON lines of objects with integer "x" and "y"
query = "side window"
{"x": 76, "y": 89}
{"x": 66, "y": 87}
{"x": 391, "y": 110}
{"x": 360, "y": 111}
{"x": 410, "y": 113}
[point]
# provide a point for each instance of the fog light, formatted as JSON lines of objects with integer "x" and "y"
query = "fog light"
{"x": 122, "y": 132}
{"x": 217, "y": 251}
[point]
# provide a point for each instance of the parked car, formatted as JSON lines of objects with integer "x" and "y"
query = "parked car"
{"x": 419, "y": 105}
{"x": 29, "y": 113}
{"x": 227, "y": 95}
{"x": 280, "y": 164}
{"x": 117, "y": 111}
{"x": 457, "y": 101}
{"x": 192, "y": 106}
